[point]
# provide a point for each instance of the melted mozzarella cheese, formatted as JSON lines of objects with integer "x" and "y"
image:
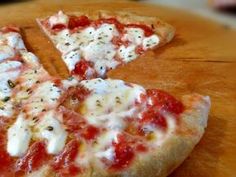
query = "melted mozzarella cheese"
{"x": 9, "y": 65}
{"x": 99, "y": 51}
{"x": 29, "y": 80}
{"x": 6, "y": 109}
{"x": 101, "y": 54}
{"x": 47, "y": 91}
{"x": 70, "y": 82}
{"x": 59, "y": 18}
{"x": 30, "y": 58}
{"x": 30, "y": 77}
{"x": 105, "y": 33}
{"x": 90, "y": 43}
{"x": 15, "y": 41}
{"x": 5, "y": 89}
{"x": 110, "y": 101}
{"x": 127, "y": 53}
{"x": 104, "y": 141}
{"x": 158, "y": 136}
{"x": 107, "y": 154}
{"x": 85, "y": 36}
{"x": 6, "y": 52}
{"x": 67, "y": 45}
{"x": 19, "y": 136}
{"x": 61, "y": 36}
{"x": 51, "y": 129}
{"x": 45, "y": 96}
{"x": 71, "y": 59}
{"x": 134, "y": 35}
{"x": 150, "y": 42}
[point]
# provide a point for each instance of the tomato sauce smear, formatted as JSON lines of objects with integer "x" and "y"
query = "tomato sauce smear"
{"x": 35, "y": 157}
{"x": 64, "y": 163}
{"x": 165, "y": 101}
{"x": 124, "y": 154}
{"x": 81, "y": 69}
{"x": 78, "y": 22}
{"x": 152, "y": 116}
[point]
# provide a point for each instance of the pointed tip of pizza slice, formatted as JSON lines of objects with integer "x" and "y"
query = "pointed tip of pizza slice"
{"x": 93, "y": 43}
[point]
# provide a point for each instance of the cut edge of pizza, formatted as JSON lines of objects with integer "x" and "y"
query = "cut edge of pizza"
{"x": 93, "y": 43}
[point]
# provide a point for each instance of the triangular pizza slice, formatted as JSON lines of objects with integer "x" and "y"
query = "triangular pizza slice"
{"x": 93, "y": 43}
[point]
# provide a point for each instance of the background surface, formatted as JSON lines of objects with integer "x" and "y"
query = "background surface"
{"x": 200, "y": 7}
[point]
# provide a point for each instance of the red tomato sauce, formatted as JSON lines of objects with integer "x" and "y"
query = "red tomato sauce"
{"x": 81, "y": 69}
{"x": 90, "y": 132}
{"x": 35, "y": 157}
{"x": 165, "y": 101}
{"x": 64, "y": 163}
{"x": 77, "y": 22}
{"x": 124, "y": 154}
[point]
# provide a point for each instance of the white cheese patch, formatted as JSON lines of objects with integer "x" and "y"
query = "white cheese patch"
{"x": 160, "y": 136}
{"x": 5, "y": 89}
{"x": 110, "y": 101}
{"x": 70, "y": 82}
{"x": 30, "y": 58}
{"x": 9, "y": 65}
{"x": 108, "y": 154}
{"x": 134, "y": 35}
{"x": 61, "y": 36}
{"x": 150, "y": 42}
{"x": 30, "y": 79}
{"x": 6, "y": 109}
{"x": 99, "y": 51}
{"x": 68, "y": 44}
{"x": 47, "y": 91}
{"x": 105, "y": 33}
{"x": 18, "y": 136}
{"x": 107, "y": 138}
{"x": 104, "y": 141}
{"x": 59, "y": 18}
{"x": 52, "y": 130}
{"x": 6, "y": 52}
{"x": 15, "y": 41}
{"x": 31, "y": 76}
{"x": 127, "y": 53}
{"x": 101, "y": 54}
{"x": 84, "y": 37}
{"x": 71, "y": 59}
{"x": 43, "y": 97}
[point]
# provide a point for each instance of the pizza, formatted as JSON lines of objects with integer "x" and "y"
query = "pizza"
{"x": 89, "y": 126}
{"x": 94, "y": 43}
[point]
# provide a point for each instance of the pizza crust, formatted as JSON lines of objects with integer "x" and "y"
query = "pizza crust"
{"x": 166, "y": 158}
{"x": 163, "y": 30}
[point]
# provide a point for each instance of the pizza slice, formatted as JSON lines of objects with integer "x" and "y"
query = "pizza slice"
{"x": 93, "y": 43}
{"x": 92, "y": 127}
{"x": 104, "y": 128}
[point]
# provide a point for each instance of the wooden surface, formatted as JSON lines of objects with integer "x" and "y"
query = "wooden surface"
{"x": 201, "y": 58}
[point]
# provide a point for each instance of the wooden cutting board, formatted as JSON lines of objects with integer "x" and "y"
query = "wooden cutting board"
{"x": 201, "y": 58}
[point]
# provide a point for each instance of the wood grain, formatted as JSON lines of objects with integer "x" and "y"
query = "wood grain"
{"x": 201, "y": 58}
